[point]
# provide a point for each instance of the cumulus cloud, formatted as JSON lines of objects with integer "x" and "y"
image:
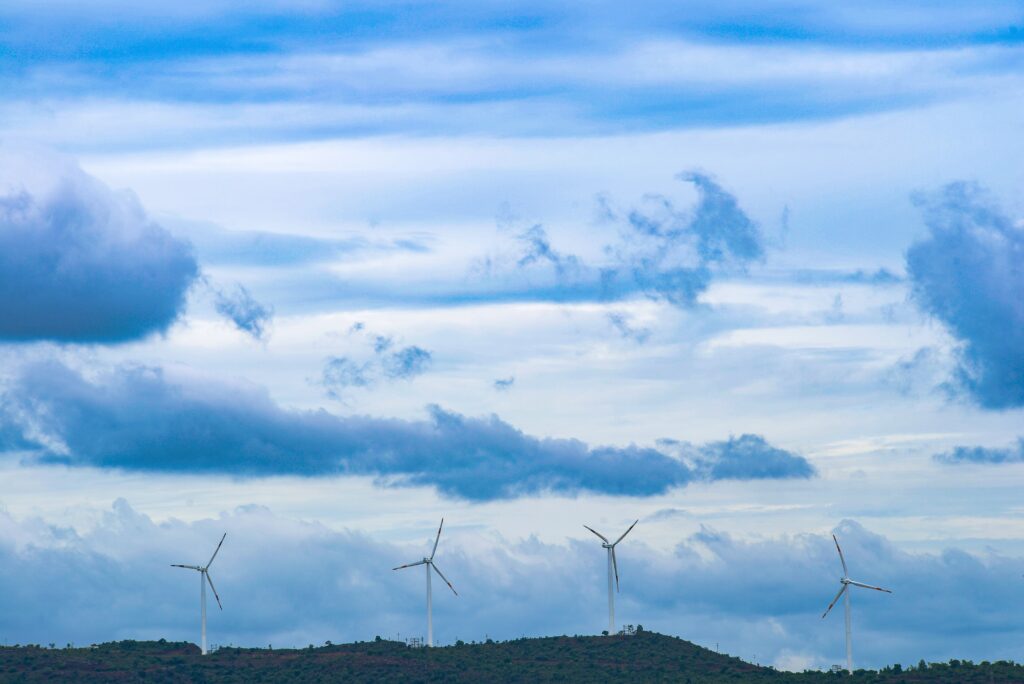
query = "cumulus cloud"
{"x": 672, "y": 254}
{"x": 990, "y": 455}
{"x": 752, "y": 596}
{"x": 749, "y": 457}
{"x": 969, "y": 274}
{"x": 666, "y": 253}
{"x": 80, "y": 262}
{"x": 247, "y": 314}
{"x": 140, "y": 418}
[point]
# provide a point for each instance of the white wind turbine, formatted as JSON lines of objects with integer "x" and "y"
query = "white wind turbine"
{"x": 613, "y": 568}
{"x": 204, "y": 577}
{"x": 429, "y": 563}
{"x": 845, "y": 589}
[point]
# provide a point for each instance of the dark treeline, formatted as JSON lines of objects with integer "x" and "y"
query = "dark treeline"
{"x": 639, "y": 657}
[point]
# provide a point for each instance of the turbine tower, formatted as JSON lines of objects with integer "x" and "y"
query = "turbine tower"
{"x": 613, "y": 568}
{"x": 845, "y": 590}
{"x": 204, "y": 577}
{"x": 428, "y": 563}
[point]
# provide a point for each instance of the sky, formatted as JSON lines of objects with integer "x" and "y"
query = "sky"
{"x": 319, "y": 274}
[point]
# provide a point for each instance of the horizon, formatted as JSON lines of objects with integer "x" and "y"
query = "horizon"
{"x": 317, "y": 275}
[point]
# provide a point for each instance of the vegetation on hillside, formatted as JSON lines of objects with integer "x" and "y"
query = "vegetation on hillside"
{"x": 641, "y": 657}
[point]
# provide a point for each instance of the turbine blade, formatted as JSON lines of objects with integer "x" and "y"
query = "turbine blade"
{"x": 216, "y": 550}
{"x": 214, "y": 590}
{"x": 615, "y": 566}
{"x": 190, "y": 567}
{"x": 868, "y": 586}
{"x": 409, "y": 565}
{"x": 841, "y": 559}
{"x": 605, "y": 540}
{"x": 626, "y": 532}
{"x": 438, "y": 571}
{"x": 437, "y": 540}
{"x": 844, "y": 588}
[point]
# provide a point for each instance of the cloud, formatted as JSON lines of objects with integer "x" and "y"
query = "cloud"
{"x": 407, "y": 362}
{"x": 969, "y": 274}
{"x": 672, "y": 255}
{"x": 140, "y": 418}
{"x": 80, "y": 262}
{"x": 504, "y": 384}
{"x": 342, "y": 372}
{"x": 620, "y": 322}
{"x": 246, "y": 313}
{"x": 963, "y": 454}
{"x": 749, "y": 457}
{"x": 537, "y": 249}
{"x": 668, "y": 254}
{"x": 760, "y": 596}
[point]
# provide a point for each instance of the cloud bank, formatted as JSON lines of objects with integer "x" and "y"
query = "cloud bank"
{"x": 140, "y": 418}
{"x": 969, "y": 274}
{"x": 762, "y": 596}
{"x": 80, "y": 262}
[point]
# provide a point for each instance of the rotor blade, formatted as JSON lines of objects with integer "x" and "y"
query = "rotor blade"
{"x": 190, "y": 567}
{"x": 438, "y": 571}
{"x": 598, "y": 534}
{"x": 437, "y": 540}
{"x": 216, "y": 550}
{"x": 409, "y": 565}
{"x": 841, "y": 559}
{"x": 615, "y": 566}
{"x": 626, "y": 532}
{"x": 844, "y": 588}
{"x": 214, "y": 590}
{"x": 868, "y": 586}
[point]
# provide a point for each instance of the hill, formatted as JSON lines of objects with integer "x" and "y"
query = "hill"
{"x": 644, "y": 657}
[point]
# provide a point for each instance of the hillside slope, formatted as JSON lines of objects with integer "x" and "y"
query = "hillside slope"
{"x": 645, "y": 657}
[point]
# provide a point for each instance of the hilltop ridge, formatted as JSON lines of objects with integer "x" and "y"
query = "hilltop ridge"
{"x": 643, "y": 657}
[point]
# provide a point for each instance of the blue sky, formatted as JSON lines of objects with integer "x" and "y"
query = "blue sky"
{"x": 319, "y": 274}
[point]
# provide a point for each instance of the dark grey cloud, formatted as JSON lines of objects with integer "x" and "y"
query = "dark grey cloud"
{"x": 247, "y": 314}
{"x": 81, "y": 263}
{"x": 989, "y": 455}
{"x": 969, "y": 274}
{"x": 138, "y": 418}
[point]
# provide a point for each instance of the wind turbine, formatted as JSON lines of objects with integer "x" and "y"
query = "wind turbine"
{"x": 845, "y": 589}
{"x": 204, "y": 577}
{"x": 429, "y": 563}
{"x": 613, "y": 568}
